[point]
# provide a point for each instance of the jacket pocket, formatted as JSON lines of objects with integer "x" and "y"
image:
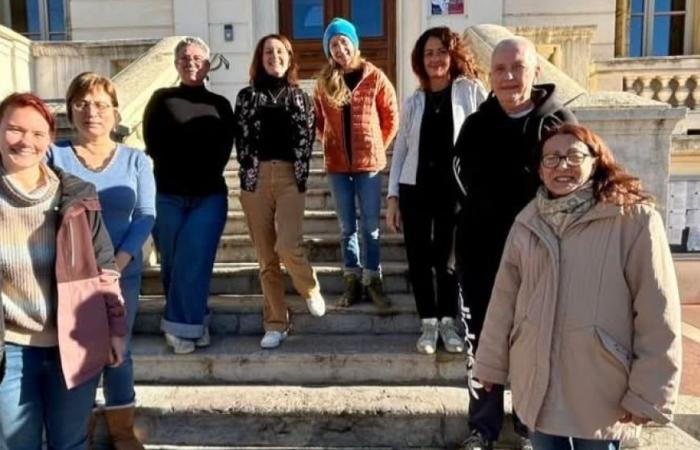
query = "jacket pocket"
{"x": 619, "y": 352}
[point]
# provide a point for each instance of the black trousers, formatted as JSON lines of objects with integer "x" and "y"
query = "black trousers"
{"x": 476, "y": 270}
{"x": 428, "y": 215}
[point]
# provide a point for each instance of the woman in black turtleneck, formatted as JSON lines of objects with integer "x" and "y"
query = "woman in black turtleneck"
{"x": 274, "y": 134}
{"x": 188, "y": 134}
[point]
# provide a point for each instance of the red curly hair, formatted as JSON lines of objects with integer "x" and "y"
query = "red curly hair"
{"x": 611, "y": 182}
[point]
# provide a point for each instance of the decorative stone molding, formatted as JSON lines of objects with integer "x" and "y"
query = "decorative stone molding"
{"x": 571, "y": 47}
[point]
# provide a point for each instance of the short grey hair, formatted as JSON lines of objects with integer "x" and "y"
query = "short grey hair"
{"x": 523, "y": 42}
{"x": 192, "y": 40}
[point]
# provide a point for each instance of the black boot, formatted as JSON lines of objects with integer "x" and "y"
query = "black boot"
{"x": 353, "y": 291}
{"x": 375, "y": 292}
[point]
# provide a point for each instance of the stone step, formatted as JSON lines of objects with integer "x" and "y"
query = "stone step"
{"x": 242, "y": 278}
{"x": 242, "y": 315}
{"x": 310, "y": 359}
{"x": 314, "y": 222}
{"x": 332, "y": 418}
{"x": 317, "y": 199}
{"x": 320, "y": 248}
{"x": 317, "y": 179}
{"x": 302, "y": 417}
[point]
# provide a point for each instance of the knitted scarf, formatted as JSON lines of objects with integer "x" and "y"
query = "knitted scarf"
{"x": 561, "y": 212}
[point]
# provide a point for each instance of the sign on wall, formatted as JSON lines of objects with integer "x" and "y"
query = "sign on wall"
{"x": 443, "y": 7}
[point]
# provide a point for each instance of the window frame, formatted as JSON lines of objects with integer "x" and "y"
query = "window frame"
{"x": 44, "y": 25}
{"x": 648, "y": 17}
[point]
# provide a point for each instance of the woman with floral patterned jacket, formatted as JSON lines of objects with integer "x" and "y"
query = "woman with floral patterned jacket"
{"x": 275, "y": 132}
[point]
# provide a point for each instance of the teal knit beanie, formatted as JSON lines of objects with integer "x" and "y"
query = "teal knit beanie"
{"x": 339, "y": 26}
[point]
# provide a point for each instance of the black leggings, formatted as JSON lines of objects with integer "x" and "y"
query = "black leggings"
{"x": 428, "y": 225}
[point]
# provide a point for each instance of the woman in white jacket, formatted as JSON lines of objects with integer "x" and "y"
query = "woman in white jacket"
{"x": 422, "y": 198}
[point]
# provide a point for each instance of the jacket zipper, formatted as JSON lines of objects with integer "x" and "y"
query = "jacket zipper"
{"x": 72, "y": 248}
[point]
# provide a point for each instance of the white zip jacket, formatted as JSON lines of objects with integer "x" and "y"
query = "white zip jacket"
{"x": 466, "y": 97}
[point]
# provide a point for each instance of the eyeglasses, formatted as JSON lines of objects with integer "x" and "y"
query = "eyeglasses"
{"x": 573, "y": 159}
{"x": 83, "y": 105}
{"x": 198, "y": 60}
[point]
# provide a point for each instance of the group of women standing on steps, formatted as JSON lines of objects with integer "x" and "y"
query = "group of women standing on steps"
{"x": 71, "y": 263}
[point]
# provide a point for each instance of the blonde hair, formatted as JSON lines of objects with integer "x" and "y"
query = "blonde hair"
{"x": 331, "y": 84}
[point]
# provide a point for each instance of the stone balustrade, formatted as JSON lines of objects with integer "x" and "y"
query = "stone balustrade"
{"x": 674, "y": 80}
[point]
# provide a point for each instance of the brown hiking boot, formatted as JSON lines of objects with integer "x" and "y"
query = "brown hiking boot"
{"x": 375, "y": 292}
{"x": 353, "y": 291}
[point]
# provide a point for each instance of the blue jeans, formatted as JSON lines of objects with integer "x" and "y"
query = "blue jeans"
{"x": 33, "y": 397}
{"x": 187, "y": 233}
{"x": 118, "y": 382}
{"x": 349, "y": 191}
{"x": 541, "y": 441}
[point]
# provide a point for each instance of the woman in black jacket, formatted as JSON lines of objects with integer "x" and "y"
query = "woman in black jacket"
{"x": 274, "y": 135}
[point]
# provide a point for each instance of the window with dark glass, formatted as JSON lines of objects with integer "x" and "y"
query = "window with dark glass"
{"x": 657, "y": 27}
{"x": 36, "y": 19}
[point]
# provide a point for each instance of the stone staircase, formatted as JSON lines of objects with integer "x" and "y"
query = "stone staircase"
{"x": 349, "y": 380}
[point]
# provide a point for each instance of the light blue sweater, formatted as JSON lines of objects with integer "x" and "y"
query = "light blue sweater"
{"x": 126, "y": 189}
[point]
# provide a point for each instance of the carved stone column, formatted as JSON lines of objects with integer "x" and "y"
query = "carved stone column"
{"x": 622, "y": 10}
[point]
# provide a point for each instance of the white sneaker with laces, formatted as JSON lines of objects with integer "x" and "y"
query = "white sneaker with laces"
{"x": 448, "y": 333}
{"x": 205, "y": 340}
{"x": 180, "y": 346}
{"x": 427, "y": 342}
{"x": 316, "y": 304}
{"x": 273, "y": 339}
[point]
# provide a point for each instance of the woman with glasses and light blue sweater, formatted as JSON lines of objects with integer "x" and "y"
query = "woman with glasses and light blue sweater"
{"x": 123, "y": 177}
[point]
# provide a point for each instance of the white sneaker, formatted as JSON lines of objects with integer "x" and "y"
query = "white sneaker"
{"x": 273, "y": 339}
{"x": 450, "y": 339}
{"x": 204, "y": 340}
{"x": 180, "y": 346}
{"x": 427, "y": 342}
{"x": 316, "y": 304}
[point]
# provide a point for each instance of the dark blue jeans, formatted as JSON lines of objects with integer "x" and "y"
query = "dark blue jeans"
{"x": 34, "y": 398}
{"x": 541, "y": 441}
{"x": 187, "y": 233}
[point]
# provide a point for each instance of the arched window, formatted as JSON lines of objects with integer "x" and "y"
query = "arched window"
{"x": 36, "y": 19}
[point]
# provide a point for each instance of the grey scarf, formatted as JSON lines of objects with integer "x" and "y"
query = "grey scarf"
{"x": 561, "y": 212}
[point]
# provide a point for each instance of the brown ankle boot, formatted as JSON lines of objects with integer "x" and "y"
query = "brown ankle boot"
{"x": 375, "y": 292}
{"x": 353, "y": 291}
{"x": 120, "y": 422}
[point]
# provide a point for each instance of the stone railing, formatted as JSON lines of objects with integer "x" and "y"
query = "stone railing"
{"x": 57, "y": 63}
{"x": 155, "y": 69}
{"x": 15, "y": 62}
{"x": 636, "y": 128}
{"x": 674, "y": 80}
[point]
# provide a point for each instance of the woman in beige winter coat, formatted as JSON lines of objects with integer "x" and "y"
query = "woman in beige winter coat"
{"x": 584, "y": 317}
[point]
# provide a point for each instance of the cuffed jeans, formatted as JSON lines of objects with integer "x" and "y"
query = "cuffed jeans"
{"x": 350, "y": 190}
{"x": 187, "y": 233}
{"x": 118, "y": 382}
{"x": 275, "y": 215}
{"x": 34, "y": 397}
{"x": 541, "y": 441}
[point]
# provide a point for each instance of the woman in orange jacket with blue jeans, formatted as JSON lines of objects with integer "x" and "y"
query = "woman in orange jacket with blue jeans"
{"x": 357, "y": 117}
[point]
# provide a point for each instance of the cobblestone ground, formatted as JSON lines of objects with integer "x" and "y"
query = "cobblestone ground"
{"x": 690, "y": 382}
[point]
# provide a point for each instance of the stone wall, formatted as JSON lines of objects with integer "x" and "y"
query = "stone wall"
{"x": 121, "y": 19}
{"x": 56, "y": 63}
{"x": 15, "y": 62}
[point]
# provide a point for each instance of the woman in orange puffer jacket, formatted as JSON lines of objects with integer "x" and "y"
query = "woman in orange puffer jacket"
{"x": 357, "y": 117}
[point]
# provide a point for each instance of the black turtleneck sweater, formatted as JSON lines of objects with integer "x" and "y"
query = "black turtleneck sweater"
{"x": 189, "y": 134}
{"x": 275, "y": 119}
